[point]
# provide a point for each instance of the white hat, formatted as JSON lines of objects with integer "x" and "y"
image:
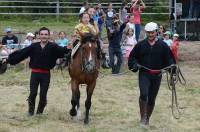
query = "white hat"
{"x": 176, "y": 35}
{"x": 151, "y": 26}
{"x": 30, "y": 34}
{"x": 8, "y": 30}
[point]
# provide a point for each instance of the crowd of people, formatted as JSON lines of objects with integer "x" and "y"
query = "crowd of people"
{"x": 124, "y": 41}
{"x": 127, "y": 24}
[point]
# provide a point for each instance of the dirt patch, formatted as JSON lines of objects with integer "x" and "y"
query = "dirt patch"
{"x": 189, "y": 52}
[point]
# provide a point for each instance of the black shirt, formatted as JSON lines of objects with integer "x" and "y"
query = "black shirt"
{"x": 154, "y": 57}
{"x": 9, "y": 40}
{"x": 40, "y": 58}
{"x": 115, "y": 35}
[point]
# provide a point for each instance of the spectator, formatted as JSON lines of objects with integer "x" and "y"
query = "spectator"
{"x": 174, "y": 46}
{"x": 110, "y": 13}
{"x": 29, "y": 39}
{"x": 101, "y": 18}
{"x": 123, "y": 13}
{"x": 128, "y": 44}
{"x": 131, "y": 25}
{"x": 62, "y": 41}
{"x": 137, "y": 8}
{"x": 37, "y": 38}
{"x": 167, "y": 39}
{"x": 161, "y": 32}
{"x": 93, "y": 15}
{"x": 84, "y": 7}
{"x": 52, "y": 37}
{"x": 10, "y": 38}
{"x": 114, "y": 38}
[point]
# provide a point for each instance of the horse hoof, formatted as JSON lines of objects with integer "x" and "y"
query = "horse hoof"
{"x": 86, "y": 121}
{"x": 73, "y": 112}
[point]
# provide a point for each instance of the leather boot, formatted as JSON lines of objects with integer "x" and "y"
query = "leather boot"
{"x": 31, "y": 107}
{"x": 149, "y": 112}
{"x": 143, "y": 112}
{"x": 41, "y": 107}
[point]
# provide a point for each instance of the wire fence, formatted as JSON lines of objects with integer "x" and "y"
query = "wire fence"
{"x": 60, "y": 8}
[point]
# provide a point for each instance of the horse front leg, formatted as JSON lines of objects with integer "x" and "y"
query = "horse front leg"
{"x": 75, "y": 97}
{"x": 78, "y": 104}
{"x": 90, "y": 89}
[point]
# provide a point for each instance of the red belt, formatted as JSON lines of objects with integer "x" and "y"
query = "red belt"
{"x": 153, "y": 71}
{"x": 40, "y": 70}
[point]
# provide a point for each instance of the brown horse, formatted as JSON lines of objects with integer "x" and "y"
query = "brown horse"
{"x": 83, "y": 69}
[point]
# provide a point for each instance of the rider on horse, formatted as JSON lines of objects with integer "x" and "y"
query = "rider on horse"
{"x": 83, "y": 27}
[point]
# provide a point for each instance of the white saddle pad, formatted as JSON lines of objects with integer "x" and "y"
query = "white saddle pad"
{"x": 74, "y": 50}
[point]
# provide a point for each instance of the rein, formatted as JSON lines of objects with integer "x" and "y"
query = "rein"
{"x": 83, "y": 61}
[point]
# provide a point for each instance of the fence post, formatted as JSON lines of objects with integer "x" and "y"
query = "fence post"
{"x": 57, "y": 9}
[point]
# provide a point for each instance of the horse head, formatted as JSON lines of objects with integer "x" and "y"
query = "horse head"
{"x": 88, "y": 52}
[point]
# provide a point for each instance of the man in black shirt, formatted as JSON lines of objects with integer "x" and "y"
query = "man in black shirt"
{"x": 10, "y": 38}
{"x": 43, "y": 56}
{"x": 153, "y": 54}
{"x": 114, "y": 49}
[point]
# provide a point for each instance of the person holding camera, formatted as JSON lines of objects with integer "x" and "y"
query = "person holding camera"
{"x": 114, "y": 38}
{"x": 137, "y": 8}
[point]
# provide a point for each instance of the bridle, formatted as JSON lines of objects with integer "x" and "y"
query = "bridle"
{"x": 88, "y": 65}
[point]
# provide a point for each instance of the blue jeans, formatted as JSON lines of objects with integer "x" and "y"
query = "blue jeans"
{"x": 137, "y": 31}
{"x": 118, "y": 53}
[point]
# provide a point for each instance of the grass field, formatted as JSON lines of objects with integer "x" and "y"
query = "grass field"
{"x": 115, "y": 99}
{"x": 114, "y": 103}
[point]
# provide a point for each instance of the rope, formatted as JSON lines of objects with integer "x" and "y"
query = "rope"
{"x": 172, "y": 79}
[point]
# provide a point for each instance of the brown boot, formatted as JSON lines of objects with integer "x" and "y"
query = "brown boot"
{"x": 143, "y": 112}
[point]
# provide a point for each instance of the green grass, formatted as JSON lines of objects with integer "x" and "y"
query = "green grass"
{"x": 114, "y": 102}
{"x": 32, "y": 24}
{"x": 114, "y": 105}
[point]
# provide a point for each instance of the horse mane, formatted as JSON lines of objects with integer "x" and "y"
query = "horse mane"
{"x": 88, "y": 37}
